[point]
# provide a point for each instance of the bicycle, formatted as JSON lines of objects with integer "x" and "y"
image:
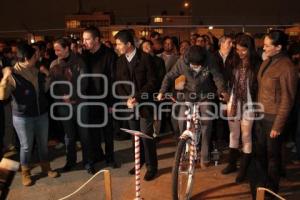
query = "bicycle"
{"x": 186, "y": 155}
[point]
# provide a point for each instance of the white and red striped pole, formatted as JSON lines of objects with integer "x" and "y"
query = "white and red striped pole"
{"x": 137, "y": 135}
{"x": 137, "y": 168}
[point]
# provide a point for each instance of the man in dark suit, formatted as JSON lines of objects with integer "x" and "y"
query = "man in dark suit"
{"x": 100, "y": 60}
{"x": 136, "y": 67}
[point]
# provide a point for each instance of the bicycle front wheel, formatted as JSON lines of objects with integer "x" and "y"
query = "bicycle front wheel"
{"x": 183, "y": 170}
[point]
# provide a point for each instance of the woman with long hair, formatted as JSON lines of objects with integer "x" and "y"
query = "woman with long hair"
{"x": 243, "y": 88}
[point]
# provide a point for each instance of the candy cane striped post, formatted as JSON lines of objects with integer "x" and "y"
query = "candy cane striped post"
{"x": 137, "y": 135}
{"x": 137, "y": 168}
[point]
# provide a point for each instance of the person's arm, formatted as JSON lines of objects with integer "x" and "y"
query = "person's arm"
{"x": 288, "y": 87}
{"x": 218, "y": 78}
{"x": 150, "y": 86}
{"x": 84, "y": 81}
{"x": 7, "y": 83}
{"x": 217, "y": 75}
{"x": 170, "y": 77}
{"x": 46, "y": 72}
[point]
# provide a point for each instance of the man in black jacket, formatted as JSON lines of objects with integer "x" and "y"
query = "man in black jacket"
{"x": 136, "y": 67}
{"x": 100, "y": 61}
{"x": 224, "y": 59}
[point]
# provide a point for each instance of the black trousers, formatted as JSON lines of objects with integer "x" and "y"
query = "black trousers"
{"x": 148, "y": 146}
{"x": 71, "y": 129}
{"x": 2, "y": 128}
{"x": 268, "y": 154}
{"x": 105, "y": 133}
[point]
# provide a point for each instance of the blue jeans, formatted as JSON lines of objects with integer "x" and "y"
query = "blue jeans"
{"x": 28, "y": 129}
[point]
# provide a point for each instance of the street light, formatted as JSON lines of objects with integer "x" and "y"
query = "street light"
{"x": 186, "y": 4}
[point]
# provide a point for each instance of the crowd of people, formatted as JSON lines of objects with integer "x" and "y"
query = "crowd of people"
{"x": 257, "y": 86}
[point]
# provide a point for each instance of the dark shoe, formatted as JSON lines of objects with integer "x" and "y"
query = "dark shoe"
{"x": 91, "y": 170}
{"x": 245, "y": 161}
{"x": 233, "y": 156}
{"x": 150, "y": 175}
{"x": 68, "y": 167}
{"x": 132, "y": 171}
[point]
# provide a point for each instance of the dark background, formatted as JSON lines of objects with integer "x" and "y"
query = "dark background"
{"x": 42, "y": 14}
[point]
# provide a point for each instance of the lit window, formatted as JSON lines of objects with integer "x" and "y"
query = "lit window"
{"x": 73, "y": 24}
{"x": 159, "y": 30}
{"x": 158, "y": 20}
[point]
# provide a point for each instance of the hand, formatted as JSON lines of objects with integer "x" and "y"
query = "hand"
{"x": 274, "y": 134}
{"x": 56, "y": 71}
{"x": 160, "y": 96}
{"x": 44, "y": 70}
{"x": 6, "y": 71}
{"x": 224, "y": 97}
{"x": 66, "y": 99}
{"x": 68, "y": 74}
{"x": 131, "y": 102}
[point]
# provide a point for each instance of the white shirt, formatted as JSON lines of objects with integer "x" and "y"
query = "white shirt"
{"x": 223, "y": 57}
{"x": 129, "y": 56}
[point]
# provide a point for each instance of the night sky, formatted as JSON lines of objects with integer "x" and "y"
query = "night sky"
{"x": 42, "y": 14}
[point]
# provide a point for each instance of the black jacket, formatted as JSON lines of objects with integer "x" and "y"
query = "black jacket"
{"x": 225, "y": 68}
{"x": 143, "y": 78}
{"x": 160, "y": 69}
{"x": 101, "y": 62}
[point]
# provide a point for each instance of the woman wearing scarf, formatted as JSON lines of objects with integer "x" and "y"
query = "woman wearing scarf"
{"x": 243, "y": 88}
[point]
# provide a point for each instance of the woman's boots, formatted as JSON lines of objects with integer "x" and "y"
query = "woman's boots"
{"x": 232, "y": 167}
{"x": 233, "y": 156}
{"x": 244, "y": 164}
{"x": 26, "y": 179}
{"x": 25, "y": 171}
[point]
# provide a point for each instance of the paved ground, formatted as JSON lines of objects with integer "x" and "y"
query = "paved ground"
{"x": 210, "y": 183}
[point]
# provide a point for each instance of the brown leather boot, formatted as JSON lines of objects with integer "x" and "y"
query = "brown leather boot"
{"x": 47, "y": 170}
{"x": 26, "y": 179}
